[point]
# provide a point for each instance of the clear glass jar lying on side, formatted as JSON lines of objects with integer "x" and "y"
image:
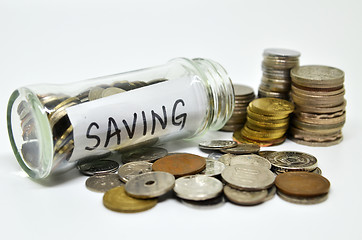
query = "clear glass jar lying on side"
{"x": 52, "y": 126}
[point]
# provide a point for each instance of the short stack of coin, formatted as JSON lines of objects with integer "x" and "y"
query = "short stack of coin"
{"x": 267, "y": 122}
{"x": 276, "y": 72}
{"x": 243, "y": 96}
{"x": 318, "y": 95}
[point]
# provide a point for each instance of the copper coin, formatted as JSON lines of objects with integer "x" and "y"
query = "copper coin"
{"x": 302, "y": 184}
{"x": 180, "y": 164}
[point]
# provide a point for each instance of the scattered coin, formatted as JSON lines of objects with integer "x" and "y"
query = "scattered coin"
{"x": 132, "y": 169}
{"x": 226, "y": 159}
{"x": 213, "y": 168}
{"x": 292, "y": 161}
{"x": 102, "y": 183}
{"x": 214, "y": 155}
{"x": 150, "y": 185}
{"x": 248, "y": 177}
{"x": 242, "y": 148}
{"x": 197, "y": 187}
{"x": 303, "y": 200}
{"x": 148, "y": 154}
{"x": 250, "y": 159}
{"x": 205, "y": 204}
{"x": 180, "y": 164}
{"x": 271, "y": 193}
{"x": 302, "y": 184}
{"x": 217, "y": 144}
{"x": 265, "y": 154}
{"x": 116, "y": 199}
{"x": 102, "y": 166}
{"x": 245, "y": 197}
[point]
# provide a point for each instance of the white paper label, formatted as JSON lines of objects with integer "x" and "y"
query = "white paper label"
{"x": 164, "y": 110}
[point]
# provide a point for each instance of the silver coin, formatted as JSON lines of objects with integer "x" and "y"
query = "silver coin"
{"x": 242, "y": 148}
{"x": 217, "y": 144}
{"x": 271, "y": 193}
{"x": 102, "y": 183}
{"x": 132, "y": 169}
{"x": 265, "y": 154}
{"x": 111, "y": 91}
{"x": 248, "y": 177}
{"x": 102, "y": 166}
{"x": 197, "y": 187}
{"x": 148, "y": 154}
{"x": 242, "y": 90}
{"x": 303, "y": 200}
{"x": 292, "y": 161}
{"x": 206, "y": 204}
{"x": 213, "y": 168}
{"x": 250, "y": 159}
{"x": 95, "y": 93}
{"x": 150, "y": 185}
{"x": 214, "y": 156}
{"x": 243, "y": 197}
{"x": 317, "y": 171}
{"x": 226, "y": 159}
{"x": 281, "y": 52}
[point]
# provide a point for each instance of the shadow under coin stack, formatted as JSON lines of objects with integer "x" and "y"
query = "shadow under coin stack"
{"x": 243, "y": 96}
{"x": 276, "y": 72}
{"x": 318, "y": 95}
{"x": 267, "y": 122}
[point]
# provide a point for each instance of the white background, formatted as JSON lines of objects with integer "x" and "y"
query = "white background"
{"x": 66, "y": 41}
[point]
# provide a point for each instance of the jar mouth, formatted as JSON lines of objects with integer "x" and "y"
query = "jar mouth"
{"x": 219, "y": 89}
{"x": 30, "y": 133}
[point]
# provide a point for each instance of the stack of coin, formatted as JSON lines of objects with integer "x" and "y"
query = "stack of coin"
{"x": 248, "y": 184}
{"x": 243, "y": 96}
{"x": 318, "y": 95}
{"x": 276, "y": 72}
{"x": 267, "y": 122}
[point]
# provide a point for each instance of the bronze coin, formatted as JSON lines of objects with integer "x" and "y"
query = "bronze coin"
{"x": 302, "y": 184}
{"x": 180, "y": 164}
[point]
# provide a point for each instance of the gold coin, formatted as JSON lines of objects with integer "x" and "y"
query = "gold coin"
{"x": 268, "y": 124}
{"x": 271, "y": 106}
{"x": 265, "y": 127}
{"x": 60, "y": 141}
{"x": 116, "y": 199}
{"x": 262, "y": 117}
{"x": 261, "y": 135}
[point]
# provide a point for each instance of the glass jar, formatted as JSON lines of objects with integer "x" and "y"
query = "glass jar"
{"x": 52, "y": 126}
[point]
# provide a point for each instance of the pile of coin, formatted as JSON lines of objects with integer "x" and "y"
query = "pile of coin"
{"x": 56, "y": 105}
{"x": 243, "y": 96}
{"x": 318, "y": 95}
{"x": 247, "y": 178}
{"x": 267, "y": 122}
{"x": 276, "y": 68}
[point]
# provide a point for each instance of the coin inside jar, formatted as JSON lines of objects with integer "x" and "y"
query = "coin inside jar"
{"x": 197, "y": 187}
{"x": 150, "y": 185}
{"x": 180, "y": 164}
{"x": 132, "y": 169}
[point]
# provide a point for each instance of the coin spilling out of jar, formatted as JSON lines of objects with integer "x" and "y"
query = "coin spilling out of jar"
{"x": 51, "y": 126}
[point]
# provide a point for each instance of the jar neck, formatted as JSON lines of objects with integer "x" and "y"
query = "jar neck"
{"x": 219, "y": 89}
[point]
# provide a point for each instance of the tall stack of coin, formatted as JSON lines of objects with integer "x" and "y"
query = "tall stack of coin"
{"x": 243, "y": 96}
{"x": 267, "y": 122}
{"x": 276, "y": 72}
{"x": 318, "y": 94}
